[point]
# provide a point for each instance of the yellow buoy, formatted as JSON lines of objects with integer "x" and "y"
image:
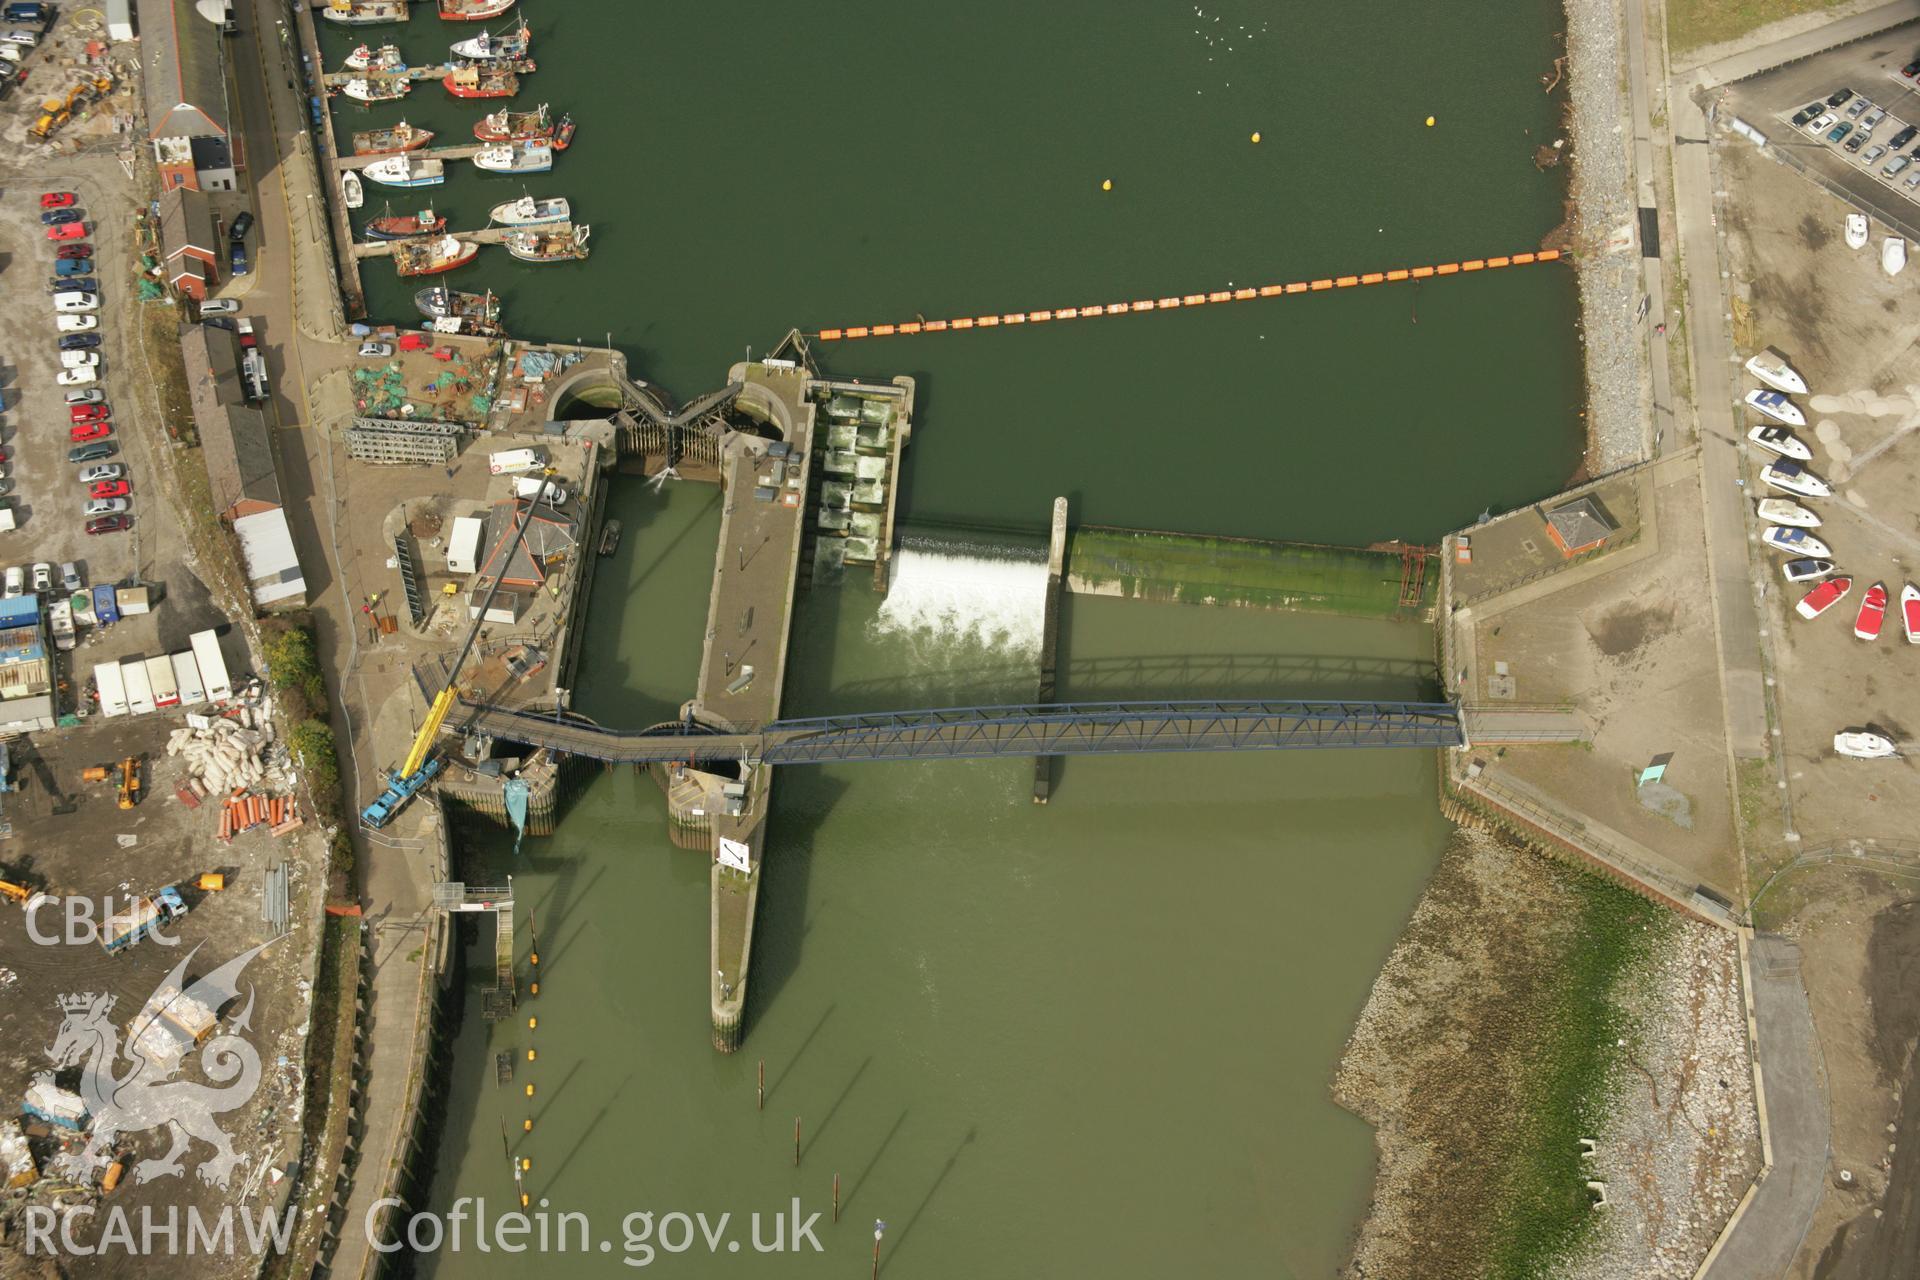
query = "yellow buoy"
{"x": 1106, "y": 184}
{"x": 534, "y": 956}
{"x": 1429, "y": 122}
{"x": 525, "y": 1164}
{"x": 523, "y": 1199}
{"x": 526, "y": 1126}
{"x": 529, "y": 1055}
{"x": 534, "y": 989}
{"x": 529, "y": 1091}
{"x": 1256, "y": 135}
{"x": 532, "y": 1023}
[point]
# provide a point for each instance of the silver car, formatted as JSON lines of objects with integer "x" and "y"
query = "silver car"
{"x": 107, "y": 507}
{"x": 1896, "y": 166}
{"x": 70, "y": 576}
{"x": 1871, "y": 155}
{"x": 102, "y": 471}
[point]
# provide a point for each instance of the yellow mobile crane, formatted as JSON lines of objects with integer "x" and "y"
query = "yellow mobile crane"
{"x": 421, "y": 765}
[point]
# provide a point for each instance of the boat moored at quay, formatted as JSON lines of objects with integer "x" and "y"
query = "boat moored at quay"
{"x": 406, "y": 171}
{"x": 401, "y": 137}
{"x": 490, "y": 46}
{"x": 514, "y": 126}
{"x": 473, "y": 10}
{"x": 529, "y": 212}
{"x": 481, "y": 82}
{"x": 477, "y": 313}
{"x": 405, "y": 226}
{"x": 562, "y": 242}
{"x": 432, "y": 256}
{"x": 364, "y": 13}
{"x": 534, "y": 156}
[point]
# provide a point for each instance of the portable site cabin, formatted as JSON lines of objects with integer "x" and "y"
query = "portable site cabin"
{"x": 463, "y": 548}
{"x": 113, "y": 690}
{"x": 213, "y": 668}
{"x": 166, "y": 691}
{"x": 186, "y": 674}
{"x": 139, "y": 689}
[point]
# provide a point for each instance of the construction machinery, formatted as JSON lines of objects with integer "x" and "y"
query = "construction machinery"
{"x": 59, "y": 108}
{"x": 129, "y": 782}
{"x": 14, "y": 892}
{"x": 421, "y": 766}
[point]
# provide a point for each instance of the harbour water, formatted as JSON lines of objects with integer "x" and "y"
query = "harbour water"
{"x": 1095, "y": 1037}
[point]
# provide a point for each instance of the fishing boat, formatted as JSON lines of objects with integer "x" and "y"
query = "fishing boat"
{"x": 1781, "y": 441}
{"x": 473, "y": 10}
{"x": 533, "y": 156}
{"x": 1893, "y": 254}
{"x": 364, "y": 13}
{"x": 406, "y": 171}
{"x": 489, "y": 46}
{"x": 1796, "y": 479}
{"x": 514, "y": 126}
{"x": 383, "y": 89}
{"x": 1823, "y": 597}
{"x": 351, "y": 192}
{"x": 1776, "y": 373}
{"x": 472, "y": 312}
{"x": 1856, "y": 231}
{"x": 1805, "y": 570}
{"x": 562, "y": 242}
{"x": 1910, "y": 612}
{"x": 1795, "y": 542}
{"x": 405, "y": 226}
{"x": 1863, "y": 744}
{"x": 528, "y": 212}
{"x": 564, "y": 137}
{"x": 609, "y": 537}
{"x": 401, "y": 137}
{"x": 1776, "y": 406}
{"x": 432, "y": 256}
{"x": 365, "y": 59}
{"x": 1791, "y": 514}
{"x": 1873, "y": 613}
{"x": 480, "y": 82}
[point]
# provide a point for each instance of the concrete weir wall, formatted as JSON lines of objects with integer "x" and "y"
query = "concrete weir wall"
{"x": 1050, "y": 639}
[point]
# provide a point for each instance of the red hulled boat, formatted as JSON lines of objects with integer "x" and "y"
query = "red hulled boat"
{"x": 401, "y": 137}
{"x": 431, "y": 257}
{"x": 405, "y": 226}
{"x": 477, "y": 82}
{"x": 514, "y": 126}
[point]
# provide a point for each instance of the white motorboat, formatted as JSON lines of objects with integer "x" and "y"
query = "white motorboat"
{"x": 1776, "y": 406}
{"x": 1786, "y": 512}
{"x": 516, "y": 157}
{"x": 1805, "y": 570}
{"x": 1796, "y": 479}
{"x": 1776, "y": 373}
{"x": 351, "y": 191}
{"x": 1856, "y": 231}
{"x": 1893, "y": 254}
{"x": 1910, "y": 612}
{"x": 1863, "y": 744}
{"x": 406, "y": 171}
{"x": 528, "y": 212}
{"x": 383, "y": 90}
{"x": 1795, "y": 542}
{"x": 1781, "y": 441}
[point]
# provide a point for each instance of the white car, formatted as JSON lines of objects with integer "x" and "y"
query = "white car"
{"x": 76, "y": 377}
{"x": 25, "y": 39}
{"x": 73, "y": 300}
{"x": 376, "y": 350}
{"x": 42, "y": 576}
{"x": 102, "y": 471}
{"x": 107, "y": 507}
{"x": 93, "y": 395}
{"x": 12, "y": 53}
{"x": 219, "y": 307}
{"x": 80, "y": 359}
{"x": 16, "y": 582}
{"x": 1820, "y": 123}
{"x": 70, "y": 576}
{"x": 75, "y": 324}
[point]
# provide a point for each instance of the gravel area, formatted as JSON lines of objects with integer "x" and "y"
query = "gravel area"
{"x": 1603, "y": 210}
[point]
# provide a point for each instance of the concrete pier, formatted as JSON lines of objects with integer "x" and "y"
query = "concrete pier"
{"x": 1050, "y": 639}
{"x": 339, "y": 79}
{"x": 458, "y": 151}
{"x": 384, "y": 248}
{"x": 353, "y": 302}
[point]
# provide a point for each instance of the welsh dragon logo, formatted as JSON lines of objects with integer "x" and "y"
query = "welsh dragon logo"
{"x": 145, "y": 1096}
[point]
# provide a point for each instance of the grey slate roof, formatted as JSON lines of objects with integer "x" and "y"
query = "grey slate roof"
{"x": 1580, "y": 522}
{"x": 180, "y": 60}
{"x": 234, "y": 436}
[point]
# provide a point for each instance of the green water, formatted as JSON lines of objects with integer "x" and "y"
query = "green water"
{"x": 1092, "y": 1038}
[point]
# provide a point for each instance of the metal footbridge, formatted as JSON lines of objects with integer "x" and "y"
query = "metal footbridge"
{"x": 1054, "y": 729}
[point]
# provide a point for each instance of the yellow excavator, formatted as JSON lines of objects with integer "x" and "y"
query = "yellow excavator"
{"x": 58, "y": 109}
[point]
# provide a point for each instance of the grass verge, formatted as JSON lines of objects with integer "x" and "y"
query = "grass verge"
{"x": 1694, "y": 24}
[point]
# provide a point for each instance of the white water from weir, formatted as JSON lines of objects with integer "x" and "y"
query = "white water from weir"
{"x": 956, "y": 589}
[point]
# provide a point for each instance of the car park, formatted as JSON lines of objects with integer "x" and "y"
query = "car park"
{"x": 58, "y": 200}
{"x": 67, "y": 231}
{"x": 109, "y": 489}
{"x": 74, "y": 324}
{"x": 1839, "y": 131}
{"x": 108, "y": 506}
{"x": 75, "y": 301}
{"x": 376, "y": 350}
{"x": 16, "y": 582}
{"x": 1872, "y": 155}
{"x": 86, "y": 431}
{"x": 109, "y": 524}
{"x": 79, "y": 341}
{"x": 76, "y": 378}
{"x": 1820, "y": 122}
{"x": 93, "y": 395}
{"x": 102, "y": 471}
{"x": 88, "y": 413}
{"x": 42, "y": 576}
{"x": 70, "y": 579}
{"x": 93, "y": 452}
{"x": 219, "y": 307}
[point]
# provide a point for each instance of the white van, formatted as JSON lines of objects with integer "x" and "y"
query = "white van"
{"x": 73, "y": 301}
{"x": 79, "y": 359}
{"x": 509, "y": 461}
{"x": 532, "y": 486}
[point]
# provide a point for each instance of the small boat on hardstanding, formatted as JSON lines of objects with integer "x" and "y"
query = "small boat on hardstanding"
{"x": 489, "y": 46}
{"x": 1791, "y": 514}
{"x": 535, "y": 156}
{"x": 432, "y": 256}
{"x": 378, "y": 89}
{"x": 563, "y": 242}
{"x": 1776, "y": 373}
{"x": 1893, "y": 254}
{"x": 1796, "y": 479}
{"x": 404, "y": 226}
{"x": 1805, "y": 570}
{"x": 351, "y": 192}
{"x": 1781, "y": 441}
{"x": 514, "y": 126}
{"x": 473, "y": 10}
{"x": 528, "y": 212}
{"x": 401, "y": 137}
{"x": 1864, "y": 744}
{"x": 480, "y": 82}
{"x": 386, "y": 59}
{"x": 563, "y": 137}
{"x": 1795, "y": 542}
{"x": 1873, "y": 613}
{"x": 364, "y": 13}
{"x": 1823, "y": 597}
{"x": 609, "y": 537}
{"x": 1776, "y": 406}
{"x": 406, "y": 171}
{"x": 1856, "y": 231}
{"x": 1910, "y": 612}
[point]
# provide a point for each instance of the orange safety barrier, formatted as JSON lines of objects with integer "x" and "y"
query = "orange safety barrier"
{"x": 1175, "y": 302}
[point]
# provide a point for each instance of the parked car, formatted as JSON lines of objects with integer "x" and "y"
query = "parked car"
{"x": 86, "y": 431}
{"x": 102, "y": 471}
{"x": 68, "y": 231}
{"x": 1912, "y": 183}
{"x": 110, "y": 524}
{"x": 1911, "y": 70}
{"x": 79, "y": 359}
{"x": 109, "y": 489}
{"x": 1857, "y": 141}
{"x": 242, "y": 223}
{"x": 1903, "y": 137}
{"x": 81, "y": 250}
{"x": 237, "y": 259}
{"x": 1872, "y": 155}
{"x": 414, "y": 342}
{"x": 74, "y": 324}
{"x": 1896, "y": 166}
{"x": 12, "y": 53}
{"x": 42, "y": 576}
{"x": 70, "y": 579}
{"x": 22, "y": 37}
{"x": 376, "y": 350}
{"x": 79, "y": 342}
{"x": 58, "y": 200}
{"x": 1839, "y": 131}
{"x": 92, "y": 395}
{"x": 61, "y": 217}
{"x": 1806, "y": 113}
{"x": 93, "y": 452}
{"x": 108, "y": 506}
{"x": 88, "y": 413}
{"x": 220, "y": 307}
{"x": 72, "y": 266}
{"x": 76, "y": 377}
{"x": 220, "y": 322}
{"x": 16, "y": 582}
{"x": 1820, "y": 123}
{"x": 1839, "y": 97}
{"x": 73, "y": 301}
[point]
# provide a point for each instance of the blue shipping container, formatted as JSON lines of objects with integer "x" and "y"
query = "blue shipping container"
{"x": 105, "y": 611}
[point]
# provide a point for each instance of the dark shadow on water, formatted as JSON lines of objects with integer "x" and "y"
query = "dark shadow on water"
{"x": 854, "y": 1189}
{"x": 827, "y": 1119}
{"x": 593, "y": 1127}
{"x": 802, "y": 799}
{"x": 900, "y": 1242}
{"x": 547, "y": 1098}
{"x": 798, "y": 1053}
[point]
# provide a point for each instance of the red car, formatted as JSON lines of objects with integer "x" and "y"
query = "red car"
{"x": 88, "y": 413}
{"x": 89, "y": 431}
{"x": 68, "y": 231}
{"x": 414, "y": 342}
{"x": 74, "y": 251}
{"x": 109, "y": 524}
{"x": 109, "y": 489}
{"x": 57, "y": 200}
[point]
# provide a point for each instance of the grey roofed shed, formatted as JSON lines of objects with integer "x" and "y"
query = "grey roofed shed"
{"x": 186, "y": 89}
{"x": 1580, "y": 523}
